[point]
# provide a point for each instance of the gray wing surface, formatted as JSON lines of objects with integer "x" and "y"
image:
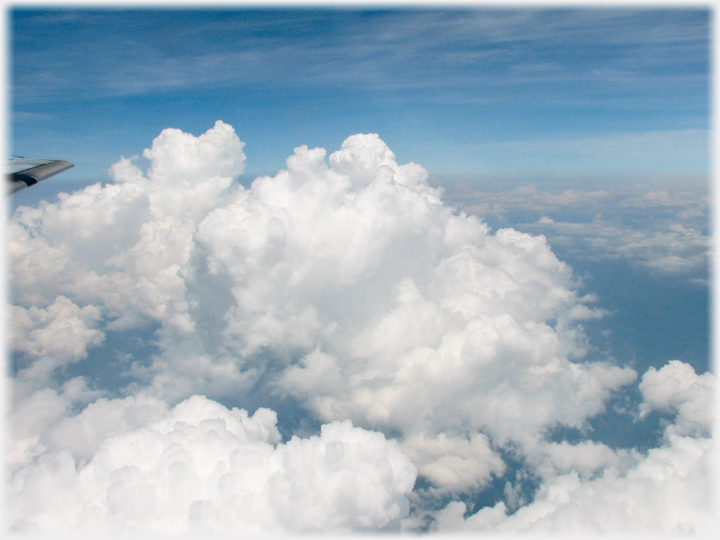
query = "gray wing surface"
{"x": 23, "y": 173}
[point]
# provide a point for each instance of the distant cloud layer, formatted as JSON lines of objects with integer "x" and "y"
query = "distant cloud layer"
{"x": 665, "y": 230}
{"x": 428, "y": 345}
{"x": 685, "y": 149}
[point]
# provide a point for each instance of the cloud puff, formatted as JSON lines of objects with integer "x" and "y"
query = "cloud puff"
{"x": 455, "y": 464}
{"x": 63, "y": 330}
{"x": 201, "y": 467}
{"x": 120, "y": 246}
{"x": 670, "y": 491}
{"x": 676, "y": 388}
{"x": 37, "y": 408}
{"x": 589, "y": 488}
{"x": 340, "y": 289}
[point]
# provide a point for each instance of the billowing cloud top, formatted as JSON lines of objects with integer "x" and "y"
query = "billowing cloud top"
{"x": 342, "y": 286}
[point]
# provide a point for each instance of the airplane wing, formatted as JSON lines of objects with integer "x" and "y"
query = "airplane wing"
{"x": 23, "y": 173}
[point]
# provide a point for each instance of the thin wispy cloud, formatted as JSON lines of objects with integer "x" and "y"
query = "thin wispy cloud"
{"x": 492, "y": 49}
{"x": 457, "y": 77}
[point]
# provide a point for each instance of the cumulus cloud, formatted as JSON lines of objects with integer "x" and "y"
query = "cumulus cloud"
{"x": 63, "y": 330}
{"x": 455, "y": 464}
{"x": 343, "y": 289}
{"x": 200, "y": 467}
{"x": 676, "y": 388}
{"x": 668, "y": 492}
{"x": 589, "y": 488}
{"x": 120, "y": 246}
{"x": 37, "y": 408}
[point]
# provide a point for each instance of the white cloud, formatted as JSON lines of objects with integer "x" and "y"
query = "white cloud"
{"x": 678, "y": 389}
{"x": 120, "y": 246}
{"x": 63, "y": 330}
{"x": 36, "y": 409}
{"x": 587, "y": 459}
{"x": 589, "y": 488}
{"x": 455, "y": 464}
{"x": 668, "y": 492}
{"x": 200, "y": 467}
{"x": 345, "y": 286}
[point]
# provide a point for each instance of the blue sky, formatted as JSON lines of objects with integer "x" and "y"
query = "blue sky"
{"x": 361, "y": 270}
{"x": 459, "y": 90}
